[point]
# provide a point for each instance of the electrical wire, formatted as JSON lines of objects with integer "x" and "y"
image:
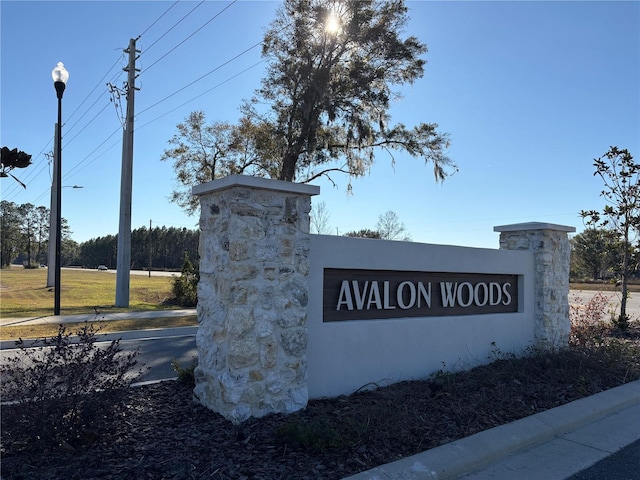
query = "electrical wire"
{"x": 157, "y": 19}
{"x": 86, "y": 111}
{"x": 33, "y": 173}
{"x": 201, "y": 94}
{"x": 87, "y": 124}
{"x": 15, "y": 189}
{"x": 81, "y": 165}
{"x": 91, "y": 92}
{"x": 173, "y": 26}
{"x": 192, "y": 34}
{"x": 201, "y": 77}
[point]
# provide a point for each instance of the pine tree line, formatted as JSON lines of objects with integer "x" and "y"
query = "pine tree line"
{"x": 24, "y": 239}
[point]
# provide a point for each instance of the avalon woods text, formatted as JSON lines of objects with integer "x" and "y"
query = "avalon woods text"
{"x": 377, "y": 294}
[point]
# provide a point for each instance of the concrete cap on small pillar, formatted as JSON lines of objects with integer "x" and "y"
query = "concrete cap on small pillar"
{"x": 517, "y": 227}
{"x": 254, "y": 182}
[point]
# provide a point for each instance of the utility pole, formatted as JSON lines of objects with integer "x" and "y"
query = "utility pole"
{"x": 126, "y": 182}
{"x": 53, "y": 215}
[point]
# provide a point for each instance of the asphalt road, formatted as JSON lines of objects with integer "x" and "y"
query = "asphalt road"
{"x": 156, "y": 354}
{"x": 154, "y": 273}
{"x": 622, "y": 465}
{"x": 156, "y": 350}
{"x": 633, "y": 302}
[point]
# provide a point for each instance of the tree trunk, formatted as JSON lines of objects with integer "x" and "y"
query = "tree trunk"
{"x": 28, "y": 247}
{"x": 288, "y": 167}
{"x": 622, "y": 319}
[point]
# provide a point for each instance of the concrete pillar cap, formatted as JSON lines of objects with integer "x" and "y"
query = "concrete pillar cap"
{"x": 519, "y": 227}
{"x": 254, "y": 182}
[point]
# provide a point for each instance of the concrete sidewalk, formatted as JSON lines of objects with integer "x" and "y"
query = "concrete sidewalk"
{"x": 551, "y": 445}
{"x": 94, "y": 317}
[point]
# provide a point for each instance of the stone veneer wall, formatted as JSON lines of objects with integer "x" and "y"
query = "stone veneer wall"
{"x": 550, "y": 244}
{"x": 252, "y": 296}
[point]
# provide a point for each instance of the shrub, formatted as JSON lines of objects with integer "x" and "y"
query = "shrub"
{"x": 185, "y": 287}
{"x": 66, "y": 388}
{"x": 185, "y": 374}
{"x": 588, "y": 327}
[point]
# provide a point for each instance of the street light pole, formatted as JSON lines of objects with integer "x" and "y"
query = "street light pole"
{"x": 60, "y": 77}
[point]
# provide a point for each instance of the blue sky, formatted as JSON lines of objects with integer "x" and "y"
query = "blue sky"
{"x": 530, "y": 93}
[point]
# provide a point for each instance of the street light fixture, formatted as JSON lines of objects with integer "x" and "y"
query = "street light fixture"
{"x": 60, "y": 77}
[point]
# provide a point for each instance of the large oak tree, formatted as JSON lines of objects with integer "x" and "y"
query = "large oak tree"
{"x": 333, "y": 67}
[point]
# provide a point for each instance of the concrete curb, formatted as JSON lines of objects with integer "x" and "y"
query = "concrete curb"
{"x": 477, "y": 451}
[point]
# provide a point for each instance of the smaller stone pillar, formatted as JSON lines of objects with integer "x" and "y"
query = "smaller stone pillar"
{"x": 252, "y": 296}
{"x": 550, "y": 245}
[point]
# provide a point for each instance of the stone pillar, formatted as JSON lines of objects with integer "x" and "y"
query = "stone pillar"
{"x": 252, "y": 296}
{"x": 550, "y": 246}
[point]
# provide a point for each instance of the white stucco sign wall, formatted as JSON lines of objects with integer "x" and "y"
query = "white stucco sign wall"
{"x": 345, "y": 355}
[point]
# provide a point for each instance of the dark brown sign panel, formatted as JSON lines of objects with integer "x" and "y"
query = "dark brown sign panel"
{"x": 379, "y": 294}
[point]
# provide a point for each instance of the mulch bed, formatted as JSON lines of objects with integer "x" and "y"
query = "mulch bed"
{"x": 159, "y": 432}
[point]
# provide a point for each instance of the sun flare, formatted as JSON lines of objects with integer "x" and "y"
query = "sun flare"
{"x": 333, "y": 25}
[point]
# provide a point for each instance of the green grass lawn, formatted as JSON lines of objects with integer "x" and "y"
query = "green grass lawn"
{"x": 23, "y": 293}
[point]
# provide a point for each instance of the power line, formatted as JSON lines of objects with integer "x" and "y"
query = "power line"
{"x": 203, "y": 93}
{"x": 93, "y": 90}
{"x": 78, "y": 165}
{"x": 87, "y": 124}
{"x": 201, "y": 77}
{"x": 173, "y": 26}
{"x": 39, "y": 171}
{"x": 14, "y": 189}
{"x": 192, "y": 34}
{"x": 156, "y": 20}
{"x": 82, "y": 116}
{"x": 81, "y": 165}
